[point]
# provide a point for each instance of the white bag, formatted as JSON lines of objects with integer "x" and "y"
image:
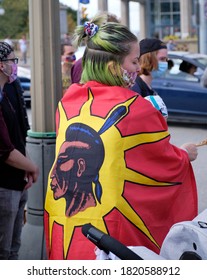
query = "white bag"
{"x": 187, "y": 240}
{"x": 141, "y": 251}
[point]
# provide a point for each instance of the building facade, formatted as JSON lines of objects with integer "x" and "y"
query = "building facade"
{"x": 170, "y": 18}
{"x": 184, "y": 19}
{"x": 163, "y": 18}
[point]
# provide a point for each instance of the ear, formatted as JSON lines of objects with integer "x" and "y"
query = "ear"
{"x": 112, "y": 67}
{"x": 81, "y": 166}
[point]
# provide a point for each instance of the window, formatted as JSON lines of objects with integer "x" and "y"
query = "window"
{"x": 165, "y": 17}
{"x": 176, "y": 73}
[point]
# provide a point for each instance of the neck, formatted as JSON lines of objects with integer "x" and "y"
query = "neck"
{"x": 79, "y": 201}
{"x": 147, "y": 79}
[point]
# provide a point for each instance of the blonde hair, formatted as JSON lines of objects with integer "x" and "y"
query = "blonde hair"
{"x": 148, "y": 62}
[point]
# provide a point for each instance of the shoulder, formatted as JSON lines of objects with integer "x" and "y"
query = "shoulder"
{"x": 76, "y": 71}
{"x": 141, "y": 87}
{"x": 136, "y": 87}
{"x": 18, "y": 86}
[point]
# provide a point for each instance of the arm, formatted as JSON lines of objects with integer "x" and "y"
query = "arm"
{"x": 13, "y": 157}
{"x": 18, "y": 160}
{"x": 191, "y": 149}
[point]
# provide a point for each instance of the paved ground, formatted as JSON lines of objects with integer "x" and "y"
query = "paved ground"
{"x": 181, "y": 134}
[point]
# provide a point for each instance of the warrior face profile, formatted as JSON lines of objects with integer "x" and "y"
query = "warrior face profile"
{"x": 77, "y": 168}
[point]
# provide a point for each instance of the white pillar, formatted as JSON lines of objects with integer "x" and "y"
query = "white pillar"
{"x": 185, "y": 12}
{"x": 102, "y": 5}
{"x": 125, "y": 12}
{"x": 142, "y": 32}
{"x": 203, "y": 26}
{"x": 45, "y": 63}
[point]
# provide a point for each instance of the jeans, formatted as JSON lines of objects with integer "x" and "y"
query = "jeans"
{"x": 12, "y": 204}
{"x": 24, "y": 57}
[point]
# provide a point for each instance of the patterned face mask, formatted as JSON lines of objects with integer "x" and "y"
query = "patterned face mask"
{"x": 13, "y": 75}
{"x": 129, "y": 77}
{"x": 70, "y": 58}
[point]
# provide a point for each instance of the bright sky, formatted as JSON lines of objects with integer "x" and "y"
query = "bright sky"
{"x": 113, "y": 7}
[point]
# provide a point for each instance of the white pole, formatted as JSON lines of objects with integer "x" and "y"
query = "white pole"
{"x": 78, "y": 13}
{"x": 203, "y": 26}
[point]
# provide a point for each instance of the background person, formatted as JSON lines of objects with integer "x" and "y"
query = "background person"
{"x": 187, "y": 67}
{"x": 153, "y": 63}
{"x": 23, "y": 48}
{"x": 171, "y": 45}
{"x": 141, "y": 184}
{"x": 67, "y": 60}
{"x": 17, "y": 172}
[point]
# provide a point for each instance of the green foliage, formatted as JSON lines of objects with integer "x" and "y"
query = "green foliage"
{"x": 15, "y": 20}
{"x": 71, "y": 19}
{"x": 72, "y": 13}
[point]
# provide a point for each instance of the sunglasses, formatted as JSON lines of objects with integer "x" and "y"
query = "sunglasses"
{"x": 15, "y": 60}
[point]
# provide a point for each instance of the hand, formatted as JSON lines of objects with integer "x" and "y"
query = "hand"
{"x": 191, "y": 150}
{"x": 35, "y": 174}
{"x": 31, "y": 177}
{"x": 29, "y": 181}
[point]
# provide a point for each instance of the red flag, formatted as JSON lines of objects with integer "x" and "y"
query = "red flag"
{"x": 116, "y": 169}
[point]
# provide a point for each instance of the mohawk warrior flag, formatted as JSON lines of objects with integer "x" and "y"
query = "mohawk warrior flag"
{"x": 116, "y": 169}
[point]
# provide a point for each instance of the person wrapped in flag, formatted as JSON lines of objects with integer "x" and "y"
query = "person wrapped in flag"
{"x": 114, "y": 165}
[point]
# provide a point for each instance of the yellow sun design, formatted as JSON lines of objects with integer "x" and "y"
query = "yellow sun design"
{"x": 112, "y": 183}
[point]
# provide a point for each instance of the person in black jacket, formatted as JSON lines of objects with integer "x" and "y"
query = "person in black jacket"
{"x": 153, "y": 63}
{"x": 17, "y": 171}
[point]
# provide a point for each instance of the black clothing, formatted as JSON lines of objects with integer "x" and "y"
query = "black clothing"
{"x": 142, "y": 88}
{"x": 14, "y": 125}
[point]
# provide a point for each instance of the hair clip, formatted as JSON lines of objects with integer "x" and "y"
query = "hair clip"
{"x": 90, "y": 29}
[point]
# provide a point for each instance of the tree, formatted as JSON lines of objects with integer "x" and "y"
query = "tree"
{"x": 72, "y": 20}
{"x": 15, "y": 20}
